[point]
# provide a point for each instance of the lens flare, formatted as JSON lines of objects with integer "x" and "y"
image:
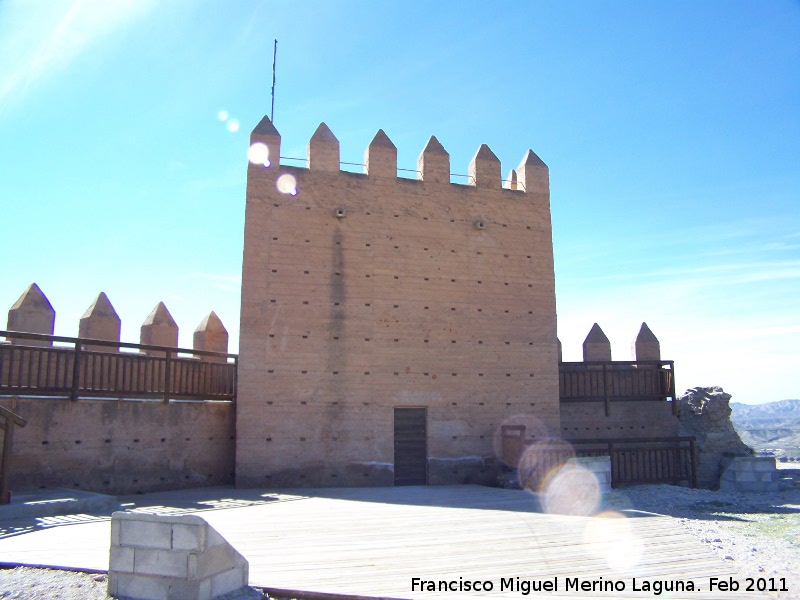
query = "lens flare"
{"x": 514, "y": 434}
{"x": 232, "y": 125}
{"x": 540, "y": 460}
{"x": 258, "y": 154}
{"x": 223, "y": 115}
{"x": 571, "y": 490}
{"x": 287, "y": 184}
{"x": 610, "y": 537}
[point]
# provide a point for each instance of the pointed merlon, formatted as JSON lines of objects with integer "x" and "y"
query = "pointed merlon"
{"x": 265, "y": 127}
{"x": 100, "y": 322}
{"x": 533, "y": 174}
{"x": 434, "y": 163}
{"x": 211, "y": 335}
{"x": 596, "y": 345}
{"x": 380, "y": 157}
{"x": 32, "y": 313}
{"x": 484, "y": 169}
{"x": 159, "y": 328}
{"x": 323, "y": 150}
{"x": 646, "y": 345}
{"x": 265, "y": 133}
{"x": 511, "y": 181}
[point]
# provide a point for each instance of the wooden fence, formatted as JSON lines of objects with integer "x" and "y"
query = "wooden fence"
{"x": 31, "y": 366}
{"x": 633, "y": 460}
{"x": 616, "y": 381}
{"x": 645, "y": 460}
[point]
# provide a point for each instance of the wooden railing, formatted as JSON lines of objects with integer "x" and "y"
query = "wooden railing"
{"x": 616, "y": 381}
{"x": 86, "y": 368}
{"x": 645, "y": 460}
{"x": 633, "y": 460}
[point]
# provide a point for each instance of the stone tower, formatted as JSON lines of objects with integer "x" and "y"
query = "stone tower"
{"x": 390, "y": 326}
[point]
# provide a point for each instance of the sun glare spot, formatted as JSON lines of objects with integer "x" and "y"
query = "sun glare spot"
{"x": 610, "y": 537}
{"x": 540, "y": 460}
{"x": 570, "y": 490}
{"x": 258, "y": 154}
{"x": 223, "y": 115}
{"x": 287, "y": 184}
{"x": 513, "y": 434}
{"x": 232, "y": 125}
{"x": 604, "y": 528}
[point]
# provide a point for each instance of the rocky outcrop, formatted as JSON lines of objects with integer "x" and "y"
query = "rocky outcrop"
{"x": 705, "y": 414}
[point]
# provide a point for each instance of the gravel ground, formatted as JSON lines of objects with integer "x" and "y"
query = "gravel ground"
{"x": 758, "y": 533}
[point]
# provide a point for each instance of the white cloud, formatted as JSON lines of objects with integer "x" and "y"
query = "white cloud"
{"x": 39, "y": 39}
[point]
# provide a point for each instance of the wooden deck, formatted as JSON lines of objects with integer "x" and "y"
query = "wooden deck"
{"x": 372, "y": 542}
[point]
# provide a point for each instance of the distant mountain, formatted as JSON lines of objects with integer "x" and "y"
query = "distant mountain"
{"x": 771, "y": 426}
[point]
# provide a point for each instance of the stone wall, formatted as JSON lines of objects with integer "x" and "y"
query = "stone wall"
{"x": 121, "y": 447}
{"x": 640, "y": 419}
{"x": 705, "y": 413}
{"x": 362, "y": 293}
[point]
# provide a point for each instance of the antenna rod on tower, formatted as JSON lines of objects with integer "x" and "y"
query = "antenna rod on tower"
{"x": 274, "y": 57}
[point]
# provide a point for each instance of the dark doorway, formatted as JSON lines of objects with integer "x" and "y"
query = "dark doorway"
{"x": 410, "y": 446}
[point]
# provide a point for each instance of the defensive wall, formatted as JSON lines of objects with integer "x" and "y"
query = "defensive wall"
{"x": 112, "y": 417}
{"x": 393, "y": 331}
{"x": 118, "y": 427}
{"x": 605, "y": 399}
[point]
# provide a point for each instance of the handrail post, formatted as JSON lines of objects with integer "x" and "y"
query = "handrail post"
{"x": 76, "y": 372}
{"x": 167, "y": 375}
{"x": 7, "y": 421}
{"x": 235, "y": 382}
{"x": 611, "y": 460}
{"x": 605, "y": 387}
{"x": 5, "y": 460}
{"x": 671, "y": 388}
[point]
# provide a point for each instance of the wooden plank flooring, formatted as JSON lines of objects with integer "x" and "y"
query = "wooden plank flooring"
{"x": 373, "y": 541}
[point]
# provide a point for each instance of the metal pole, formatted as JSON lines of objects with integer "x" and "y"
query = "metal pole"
{"x": 274, "y": 57}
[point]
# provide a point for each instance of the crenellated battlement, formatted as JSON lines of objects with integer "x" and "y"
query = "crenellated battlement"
{"x": 597, "y": 347}
{"x": 380, "y": 161}
{"x": 33, "y": 313}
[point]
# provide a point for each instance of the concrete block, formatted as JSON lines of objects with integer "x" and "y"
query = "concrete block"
{"x": 145, "y": 534}
{"x": 229, "y": 581}
{"x": 766, "y": 463}
{"x": 141, "y": 587}
{"x": 215, "y": 560}
{"x": 115, "y": 527}
{"x": 166, "y": 563}
{"x": 213, "y": 538}
{"x": 198, "y": 563}
{"x": 189, "y": 590}
{"x": 768, "y": 477}
{"x": 188, "y": 537}
{"x": 122, "y": 558}
{"x": 746, "y": 477}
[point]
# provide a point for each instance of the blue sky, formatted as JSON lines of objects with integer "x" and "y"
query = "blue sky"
{"x": 671, "y": 129}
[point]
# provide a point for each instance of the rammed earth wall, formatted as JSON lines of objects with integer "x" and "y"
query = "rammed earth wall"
{"x": 121, "y": 447}
{"x": 367, "y": 293}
